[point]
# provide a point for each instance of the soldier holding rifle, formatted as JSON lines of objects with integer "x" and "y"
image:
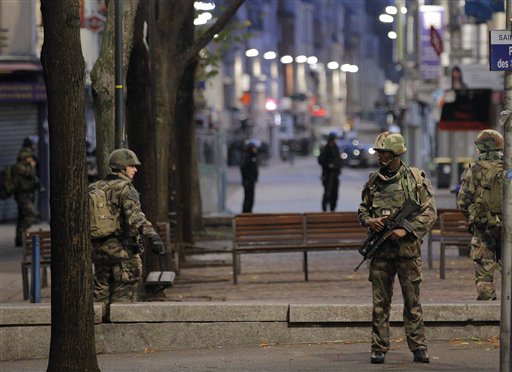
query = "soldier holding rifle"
{"x": 398, "y": 251}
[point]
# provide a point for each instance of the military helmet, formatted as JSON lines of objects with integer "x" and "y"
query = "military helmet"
{"x": 489, "y": 140}
{"x": 26, "y": 152}
{"x": 119, "y": 159}
{"x": 388, "y": 141}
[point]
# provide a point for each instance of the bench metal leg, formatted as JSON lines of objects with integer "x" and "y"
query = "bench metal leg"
{"x": 24, "y": 279}
{"x": 44, "y": 276}
{"x": 235, "y": 267}
{"x": 306, "y": 277}
{"x": 442, "y": 262}
{"x": 429, "y": 252}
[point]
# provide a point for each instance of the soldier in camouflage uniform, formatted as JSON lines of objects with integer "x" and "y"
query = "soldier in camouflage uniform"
{"x": 383, "y": 195}
{"x": 485, "y": 225}
{"x": 117, "y": 262}
{"x": 26, "y": 185}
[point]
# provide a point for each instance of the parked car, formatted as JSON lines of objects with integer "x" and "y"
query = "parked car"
{"x": 357, "y": 155}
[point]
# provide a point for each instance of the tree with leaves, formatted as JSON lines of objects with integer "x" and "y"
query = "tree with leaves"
{"x": 72, "y": 346}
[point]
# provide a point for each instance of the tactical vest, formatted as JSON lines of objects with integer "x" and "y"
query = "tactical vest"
{"x": 410, "y": 180}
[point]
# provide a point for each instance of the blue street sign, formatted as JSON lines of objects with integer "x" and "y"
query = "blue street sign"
{"x": 500, "y": 50}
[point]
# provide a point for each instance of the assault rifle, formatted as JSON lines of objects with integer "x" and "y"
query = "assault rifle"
{"x": 398, "y": 220}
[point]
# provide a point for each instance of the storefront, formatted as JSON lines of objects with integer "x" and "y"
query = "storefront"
{"x": 22, "y": 115}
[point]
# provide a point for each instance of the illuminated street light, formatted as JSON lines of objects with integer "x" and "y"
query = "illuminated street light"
{"x": 392, "y": 35}
{"x": 286, "y": 59}
{"x": 353, "y": 69}
{"x": 202, "y": 5}
{"x": 404, "y": 10}
{"x": 347, "y": 67}
{"x": 391, "y": 10}
{"x": 270, "y": 104}
{"x": 270, "y": 55}
{"x": 251, "y": 52}
{"x": 301, "y": 59}
{"x": 202, "y": 18}
{"x": 386, "y": 18}
{"x": 333, "y": 65}
{"x": 312, "y": 60}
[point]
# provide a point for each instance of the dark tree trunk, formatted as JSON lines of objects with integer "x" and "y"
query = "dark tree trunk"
{"x": 188, "y": 172}
{"x": 172, "y": 55}
{"x": 103, "y": 81}
{"x": 72, "y": 345}
{"x": 141, "y": 129}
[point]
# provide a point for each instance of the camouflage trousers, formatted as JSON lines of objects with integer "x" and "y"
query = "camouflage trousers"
{"x": 483, "y": 253}
{"x": 117, "y": 282}
{"x": 382, "y": 277}
{"x": 26, "y": 214}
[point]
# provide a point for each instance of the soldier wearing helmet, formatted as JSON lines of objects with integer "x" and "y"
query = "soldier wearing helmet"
{"x": 480, "y": 200}
{"x": 383, "y": 195}
{"x": 27, "y": 183}
{"x": 116, "y": 257}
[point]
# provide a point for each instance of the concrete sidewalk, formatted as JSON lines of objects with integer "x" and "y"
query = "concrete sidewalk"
{"x": 454, "y": 355}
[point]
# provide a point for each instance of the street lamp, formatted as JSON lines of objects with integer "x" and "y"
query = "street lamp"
{"x": 269, "y": 55}
{"x": 286, "y": 59}
{"x": 251, "y": 52}
{"x": 386, "y": 18}
{"x": 391, "y": 10}
{"x": 333, "y": 65}
{"x": 312, "y": 60}
{"x": 392, "y": 35}
{"x": 301, "y": 59}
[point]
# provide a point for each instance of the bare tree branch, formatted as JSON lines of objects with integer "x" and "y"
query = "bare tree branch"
{"x": 205, "y": 38}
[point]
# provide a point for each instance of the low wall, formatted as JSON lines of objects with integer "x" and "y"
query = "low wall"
{"x": 138, "y": 327}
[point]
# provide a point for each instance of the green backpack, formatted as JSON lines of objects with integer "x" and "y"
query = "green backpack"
{"x": 104, "y": 213}
{"x": 7, "y": 182}
{"x": 488, "y": 197}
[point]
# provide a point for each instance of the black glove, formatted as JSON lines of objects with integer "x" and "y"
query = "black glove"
{"x": 157, "y": 246}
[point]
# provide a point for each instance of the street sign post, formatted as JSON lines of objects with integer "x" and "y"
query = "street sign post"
{"x": 500, "y": 50}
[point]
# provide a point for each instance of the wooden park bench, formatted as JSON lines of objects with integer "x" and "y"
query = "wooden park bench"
{"x": 45, "y": 247}
{"x": 454, "y": 232}
{"x": 154, "y": 278}
{"x": 434, "y": 235}
{"x": 294, "y": 232}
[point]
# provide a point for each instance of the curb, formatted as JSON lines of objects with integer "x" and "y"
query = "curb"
{"x": 138, "y": 327}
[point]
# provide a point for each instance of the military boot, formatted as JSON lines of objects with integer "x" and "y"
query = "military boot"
{"x": 421, "y": 356}
{"x": 377, "y": 357}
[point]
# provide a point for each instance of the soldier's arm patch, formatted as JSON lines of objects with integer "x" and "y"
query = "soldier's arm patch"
{"x": 428, "y": 186}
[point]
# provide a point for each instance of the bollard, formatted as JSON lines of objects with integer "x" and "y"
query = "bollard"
{"x": 35, "y": 285}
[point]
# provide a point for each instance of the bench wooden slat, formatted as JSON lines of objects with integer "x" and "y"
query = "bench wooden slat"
{"x": 453, "y": 232}
{"x": 434, "y": 234}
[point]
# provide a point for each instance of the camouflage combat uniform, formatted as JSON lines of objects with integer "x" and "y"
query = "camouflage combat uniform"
{"x": 117, "y": 262}
{"x": 26, "y": 185}
{"x": 486, "y": 242}
{"x": 382, "y": 196}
